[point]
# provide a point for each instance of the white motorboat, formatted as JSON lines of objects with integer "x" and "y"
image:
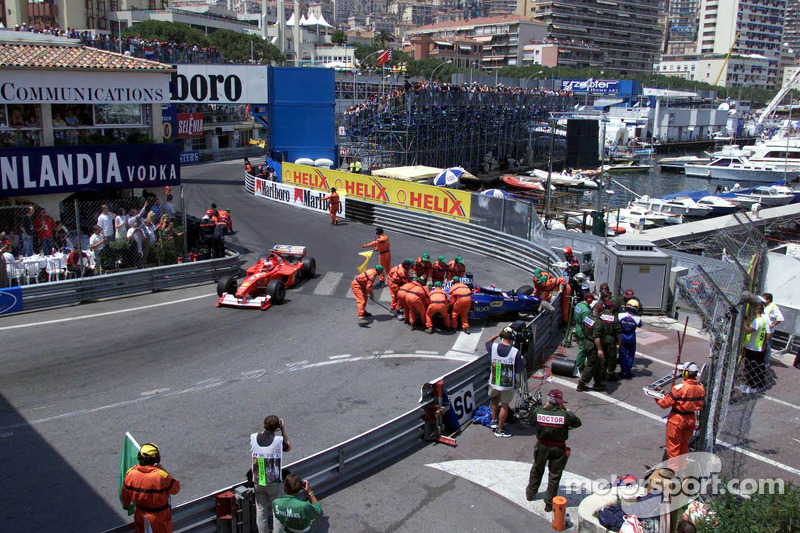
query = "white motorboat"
{"x": 719, "y": 206}
{"x": 781, "y": 151}
{"x": 677, "y": 163}
{"x": 735, "y": 168}
{"x": 766, "y": 196}
{"x": 676, "y": 206}
{"x": 565, "y": 180}
{"x": 636, "y": 215}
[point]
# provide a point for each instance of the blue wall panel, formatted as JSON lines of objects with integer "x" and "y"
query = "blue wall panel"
{"x": 302, "y": 112}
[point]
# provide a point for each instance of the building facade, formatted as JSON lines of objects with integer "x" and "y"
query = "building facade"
{"x": 737, "y": 71}
{"x": 502, "y": 39}
{"x": 616, "y": 34}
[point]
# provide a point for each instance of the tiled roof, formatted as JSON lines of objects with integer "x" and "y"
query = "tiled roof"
{"x": 71, "y": 58}
{"x": 471, "y": 23}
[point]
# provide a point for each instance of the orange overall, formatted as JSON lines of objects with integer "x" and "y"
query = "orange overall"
{"x": 544, "y": 290}
{"x": 398, "y": 276}
{"x": 381, "y": 245}
{"x": 422, "y": 269}
{"x": 401, "y": 296}
{"x": 684, "y": 399}
{"x": 416, "y": 303}
{"x": 149, "y": 488}
{"x": 362, "y": 288}
{"x": 461, "y": 299}
{"x": 455, "y": 268}
{"x": 438, "y": 306}
{"x": 333, "y": 206}
{"x": 438, "y": 271}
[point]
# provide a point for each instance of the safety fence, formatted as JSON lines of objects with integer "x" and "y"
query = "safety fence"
{"x": 723, "y": 294}
{"x": 358, "y": 458}
{"x": 57, "y": 293}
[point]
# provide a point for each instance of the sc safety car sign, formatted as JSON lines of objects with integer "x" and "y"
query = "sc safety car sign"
{"x": 463, "y": 402}
{"x": 297, "y": 196}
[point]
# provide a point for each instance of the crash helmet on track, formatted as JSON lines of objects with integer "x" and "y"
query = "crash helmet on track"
{"x": 378, "y": 230}
{"x": 437, "y": 284}
{"x": 379, "y": 268}
{"x": 426, "y": 256}
{"x": 408, "y": 263}
{"x": 689, "y": 369}
{"x": 456, "y": 279}
{"x": 633, "y": 305}
{"x": 459, "y": 259}
{"x": 537, "y": 273}
{"x": 567, "y": 250}
{"x": 416, "y": 279}
{"x": 440, "y": 258}
{"x": 268, "y": 264}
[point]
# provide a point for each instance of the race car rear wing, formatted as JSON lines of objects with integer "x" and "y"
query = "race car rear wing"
{"x": 289, "y": 250}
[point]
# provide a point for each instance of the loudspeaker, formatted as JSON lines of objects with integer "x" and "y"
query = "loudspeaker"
{"x": 582, "y": 144}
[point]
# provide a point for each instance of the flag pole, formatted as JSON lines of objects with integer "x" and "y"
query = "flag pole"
{"x": 127, "y": 434}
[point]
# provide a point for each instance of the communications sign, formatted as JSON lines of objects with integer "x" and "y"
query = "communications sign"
{"x": 59, "y": 169}
{"x": 219, "y": 84}
{"x": 297, "y": 196}
{"x": 450, "y": 203}
{"x": 591, "y": 85}
{"x": 46, "y": 87}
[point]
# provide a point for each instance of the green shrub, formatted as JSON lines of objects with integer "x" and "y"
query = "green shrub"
{"x": 762, "y": 513}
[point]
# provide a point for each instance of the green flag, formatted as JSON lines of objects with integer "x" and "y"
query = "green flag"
{"x": 130, "y": 450}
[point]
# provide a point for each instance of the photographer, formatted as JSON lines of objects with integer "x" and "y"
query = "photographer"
{"x": 502, "y": 370}
{"x": 267, "y": 449}
{"x": 292, "y": 513}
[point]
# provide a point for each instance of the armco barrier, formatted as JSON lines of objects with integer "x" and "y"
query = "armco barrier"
{"x": 56, "y": 293}
{"x": 363, "y": 455}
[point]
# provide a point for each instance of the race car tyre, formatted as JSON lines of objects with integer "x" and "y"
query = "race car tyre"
{"x": 525, "y": 289}
{"x": 276, "y": 289}
{"x": 227, "y": 284}
{"x": 309, "y": 267}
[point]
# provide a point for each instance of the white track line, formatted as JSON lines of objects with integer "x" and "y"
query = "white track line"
{"x": 660, "y": 420}
{"x": 467, "y": 342}
{"x": 328, "y": 283}
{"x": 118, "y": 311}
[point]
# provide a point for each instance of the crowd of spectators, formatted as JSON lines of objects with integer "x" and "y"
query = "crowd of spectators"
{"x": 469, "y": 118}
{"x": 162, "y": 51}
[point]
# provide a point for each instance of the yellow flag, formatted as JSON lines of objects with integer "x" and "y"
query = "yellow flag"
{"x": 367, "y": 257}
{"x": 259, "y": 142}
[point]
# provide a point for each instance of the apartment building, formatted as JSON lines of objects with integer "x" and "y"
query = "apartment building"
{"x": 501, "y": 38}
{"x": 620, "y": 34}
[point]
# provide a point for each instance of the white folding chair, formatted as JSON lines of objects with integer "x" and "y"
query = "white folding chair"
{"x": 53, "y": 269}
{"x": 19, "y": 272}
{"x": 32, "y": 271}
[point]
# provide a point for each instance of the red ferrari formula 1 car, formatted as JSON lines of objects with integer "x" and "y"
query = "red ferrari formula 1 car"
{"x": 267, "y": 280}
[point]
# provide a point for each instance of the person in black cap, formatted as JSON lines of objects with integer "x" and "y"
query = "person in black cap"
{"x": 381, "y": 245}
{"x": 333, "y": 206}
{"x": 553, "y": 422}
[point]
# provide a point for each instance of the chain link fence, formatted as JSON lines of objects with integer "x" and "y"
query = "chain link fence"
{"x": 720, "y": 290}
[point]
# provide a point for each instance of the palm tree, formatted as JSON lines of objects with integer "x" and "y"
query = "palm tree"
{"x": 383, "y": 37}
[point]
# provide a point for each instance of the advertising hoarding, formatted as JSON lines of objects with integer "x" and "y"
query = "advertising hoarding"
{"x": 220, "y": 84}
{"x": 59, "y": 169}
{"x": 45, "y": 87}
{"x": 297, "y": 196}
{"x": 450, "y": 203}
{"x": 591, "y": 85}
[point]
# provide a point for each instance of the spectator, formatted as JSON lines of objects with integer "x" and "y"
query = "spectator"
{"x": 136, "y": 234}
{"x": 169, "y": 209}
{"x": 26, "y": 226}
{"x": 774, "y": 317}
{"x": 44, "y": 231}
{"x": 7, "y": 255}
{"x": 106, "y": 223}
{"x": 292, "y": 513}
{"x": 266, "y": 450}
{"x": 78, "y": 263}
{"x": 121, "y": 225}
{"x": 97, "y": 241}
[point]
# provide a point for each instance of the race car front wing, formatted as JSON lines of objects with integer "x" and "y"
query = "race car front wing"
{"x": 231, "y": 300}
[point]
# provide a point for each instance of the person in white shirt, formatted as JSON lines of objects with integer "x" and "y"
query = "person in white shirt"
{"x": 97, "y": 242}
{"x": 169, "y": 209}
{"x": 7, "y": 255}
{"x": 136, "y": 234}
{"x": 121, "y": 225}
{"x": 149, "y": 230}
{"x": 106, "y": 223}
{"x": 774, "y": 316}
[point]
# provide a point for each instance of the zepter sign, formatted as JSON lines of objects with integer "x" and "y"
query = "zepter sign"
{"x": 219, "y": 84}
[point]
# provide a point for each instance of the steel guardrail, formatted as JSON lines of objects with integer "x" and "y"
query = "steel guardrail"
{"x": 56, "y": 293}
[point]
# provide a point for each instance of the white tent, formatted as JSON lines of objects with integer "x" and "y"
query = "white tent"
{"x": 290, "y": 22}
{"x": 312, "y": 20}
{"x": 322, "y": 22}
{"x": 303, "y": 20}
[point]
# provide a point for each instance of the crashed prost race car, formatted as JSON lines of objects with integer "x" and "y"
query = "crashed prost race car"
{"x": 490, "y": 301}
{"x": 266, "y": 282}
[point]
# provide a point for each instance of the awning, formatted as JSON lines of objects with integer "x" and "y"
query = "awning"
{"x": 443, "y": 43}
{"x": 483, "y": 38}
{"x": 464, "y": 47}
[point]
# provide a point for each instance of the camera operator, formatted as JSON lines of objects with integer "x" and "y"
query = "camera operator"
{"x": 503, "y": 366}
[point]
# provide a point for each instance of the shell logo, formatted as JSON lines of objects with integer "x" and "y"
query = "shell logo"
{"x": 401, "y": 197}
{"x": 338, "y": 183}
